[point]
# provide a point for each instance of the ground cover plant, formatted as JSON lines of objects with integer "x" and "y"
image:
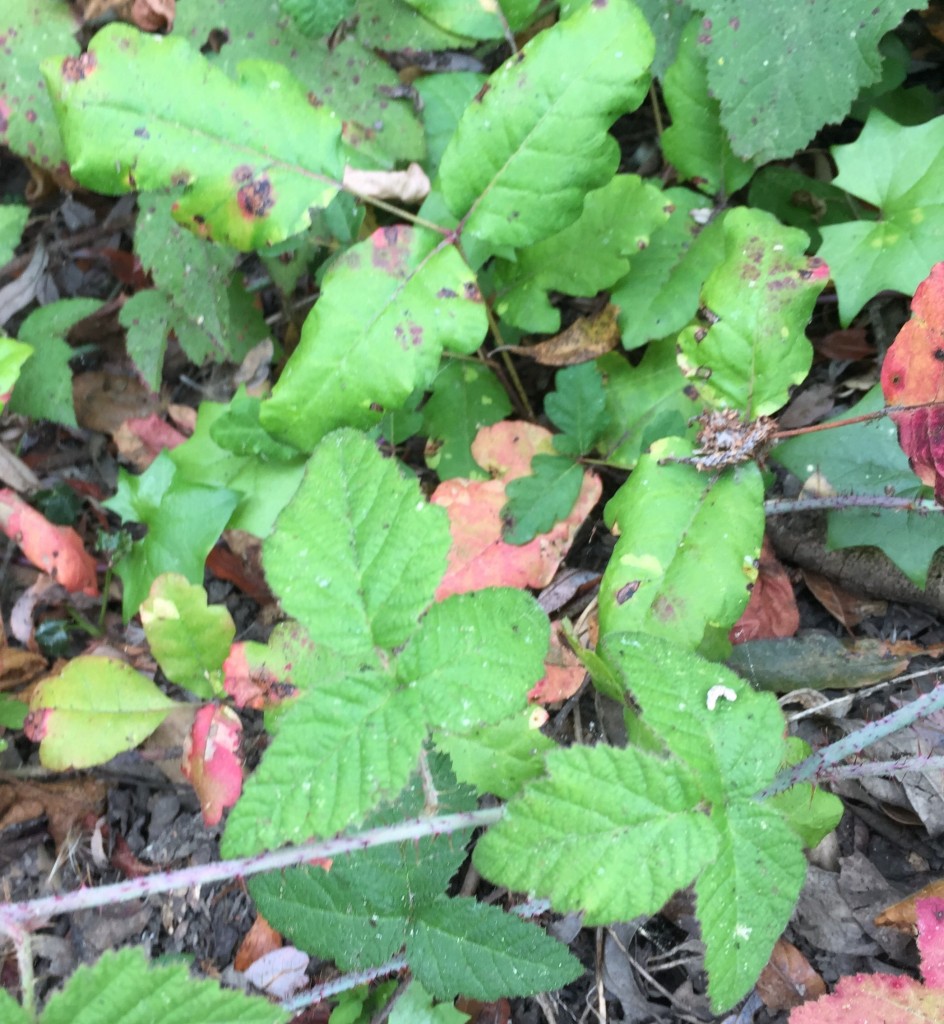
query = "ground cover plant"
{"x": 468, "y": 356}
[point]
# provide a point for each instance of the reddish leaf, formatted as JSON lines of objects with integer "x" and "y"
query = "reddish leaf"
{"x": 903, "y": 915}
{"x": 251, "y": 678}
{"x": 56, "y": 550}
{"x": 913, "y": 374}
{"x": 212, "y": 761}
{"x": 772, "y": 610}
{"x": 788, "y": 979}
{"x": 844, "y": 607}
{"x": 140, "y": 440}
{"x": 564, "y": 673}
{"x": 931, "y": 941}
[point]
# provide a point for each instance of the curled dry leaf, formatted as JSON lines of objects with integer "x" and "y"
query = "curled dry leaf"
{"x": 844, "y": 607}
{"x": 772, "y": 609}
{"x": 56, "y": 550}
{"x": 585, "y": 339}
{"x": 212, "y": 760}
{"x": 410, "y": 186}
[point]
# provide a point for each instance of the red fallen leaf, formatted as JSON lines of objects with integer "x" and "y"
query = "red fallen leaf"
{"x": 56, "y": 550}
{"x": 141, "y": 440}
{"x": 250, "y": 682}
{"x": 563, "y": 672}
{"x": 772, "y": 610}
{"x": 890, "y": 999}
{"x": 227, "y": 565}
{"x": 913, "y": 374}
{"x": 211, "y": 760}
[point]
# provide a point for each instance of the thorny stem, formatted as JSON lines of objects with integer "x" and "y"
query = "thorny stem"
{"x": 866, "y": 417}
{"x": 15, "y": 917}
{"x": 892, "y": 769}
{"x": 319, "y": 993}
{"x": 819, "y": 765}
{"x": 787, "y": 506}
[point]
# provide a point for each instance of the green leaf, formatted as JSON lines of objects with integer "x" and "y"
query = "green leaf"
{"x": 569, "y": 838}
{"x": 263, "y": 487}
{"x": 811, "y": 814}
{"x": 660, "y": 295}
{"x": 866, "y": 458}
{"x": 415, "y": 1006}
{"x": 317, "y": 17}
{"x": 577, "y": 407}
{"x": 477, "y": 20}
{"x": 644, "y": 403}
{"x": 537, "y": 502}
{"x": 13, "y": 218}
{"x": 587, "y": 256}
{"x": 123, "y": 988}
{"x": 727, "y": 733}
{"x": 667, "y": 21}
{"x": 509, "y": 170}
{"x": 444, "y": 97}
{"x": 13, "y": 354}
{"x": 745, "y": 896}
{"x": 394, "y": 25}
{"x": 44, "y": 388}
{"x": 498, "y": 758}
{"x": 752, "y": 348}
{"x": 184, "y": 521}
{"x": 198, "y": 296}
{"x": 237, "y": 429}
{"x": 687, "y": 550}
{"x": 465, "y": 397}
{"x": 94, "y": 709}
{"x": 189, "y": 639}
{"x": 476, "y": 657}
{"x": 896, "y": 169}
{"x": 388, "y": 307}
{"x": 11, "y": 1012}
{"x": 357, "y": 554}
{"x": 460, "y": 947}
{"x": 695, "y": 142}
{"x": 40, "y": 28}
{"x": 806, "y": 63}
{"x": 255, "y": 155}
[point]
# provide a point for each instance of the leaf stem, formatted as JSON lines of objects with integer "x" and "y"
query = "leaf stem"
{"x": 15, "y": 917}
{"x": 818, "y": 766}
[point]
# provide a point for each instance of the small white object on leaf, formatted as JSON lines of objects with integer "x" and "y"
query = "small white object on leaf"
{"x": 716, "y": 693}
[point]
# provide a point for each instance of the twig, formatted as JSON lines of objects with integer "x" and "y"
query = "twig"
{"x": 319, "y": 993}
{"x": 836, "y": 502}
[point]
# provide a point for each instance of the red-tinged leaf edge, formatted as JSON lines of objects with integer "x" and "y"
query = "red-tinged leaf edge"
{"x": 212, "y": 762}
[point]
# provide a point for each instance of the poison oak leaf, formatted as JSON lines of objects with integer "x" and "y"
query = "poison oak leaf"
{"x": 56, "y": 550}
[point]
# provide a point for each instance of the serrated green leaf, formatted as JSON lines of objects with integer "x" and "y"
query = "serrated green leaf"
{"x": 357, "y": 554}
{"x": 687, "y": 551}
{"x": 415, "y": 1006}
{"x": 255, "y": 155}
{"x": 94, "y": 709}
{"x": 367, "y": 736}
{"x": 752, "y": 348}
{"x": 13, "y": 218}
{"x": 460, "y": 947}
{"x": 896, "y": 169}
{"x": 476, "y": 656}
{"x": 695, "y": 143}
{"x": 806, "y": 63}
{"x": 866, "y": 458}
{"x": 466, "y": 397}
{"x": 644, "y": 403}
{"x": 123, "y": 988}
{"x": 570, "y": 839}
{"x": 189, "y": 639}
{"x": 498, "y": 758}
{"x": 263, "y": 488}
{"x": 537, "y": 502}
{"x": 589, "y": 255}
{"x": 238, "y": 430}
{"x": 577, "y": 407}
{"x": 509, "y": 170}
{"x": 40, "y": 28}
{"x": 388, "y": 307}
{"x": 184, "y": 521}
{"x": 444, "y": 97}
{"x": 727, "y": 733}
{"x": 660, "y": 295}
{"x": 44, "y": 388}
{"x": 745, "y": 896}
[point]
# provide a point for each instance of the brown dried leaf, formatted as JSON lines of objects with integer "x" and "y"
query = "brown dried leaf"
{"x": 584, "y": 340}
{"x": 63, "y": 803}
{"x": 846, "y": 608}
{"x": 903, "y": 914}
{"x": 410, "y": 186}
{"x": 154, "y": 15}
{"x": 261, "y": 939}
{"x": 19, "y": 667}
{"x": 788, "y": 979}
{"x": 772, "y": 610}
{"x": 104, "y": 400}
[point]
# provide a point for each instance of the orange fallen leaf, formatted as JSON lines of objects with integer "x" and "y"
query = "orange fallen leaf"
{"x": 845, "y": 608}
{"x": 261, "y": 939}
{"x": 903, "y": 915}
{"x": 56, "y": 550}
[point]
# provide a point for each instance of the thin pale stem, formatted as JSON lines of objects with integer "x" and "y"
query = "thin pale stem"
{"x": 345, "y": 983}
{"x": 888, "y": 769}
{"x": 834, "y": 502}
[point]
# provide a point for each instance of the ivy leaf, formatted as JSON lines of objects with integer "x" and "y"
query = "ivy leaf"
{"x": 123, "y": 988}
{"x": 184, "y": 521}
{"x": 806, "y": 63}
{"x": 94, "y": 709}
{"x": 752, "y": 347}
{"x": 250, "y": 181}
{"x": 577, "y": 406}
{"x": 589, "y": 255}
{"x": 687, "y": 550}
{"x": 465, "y": 397}
{"x": 44, "y": 388}
{"x": 567, "y": 839}
{"x": 897, "y": 170}
{"x": 695, "y": 143}
{"x": 555, "y": 98}
{"x": 189, "y": 639}
{"x": 537, "y": 502}
{"x": 388, "y": 307}
{"x": 458, "y": 946}
{"x": 357, "y": 554}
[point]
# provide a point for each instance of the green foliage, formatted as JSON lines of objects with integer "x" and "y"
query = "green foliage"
{"x": 537, "y": 502}
{"x": 577, "y": 407}
{"x": 13, "y": 218}
{"x": 13, "y": 354}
